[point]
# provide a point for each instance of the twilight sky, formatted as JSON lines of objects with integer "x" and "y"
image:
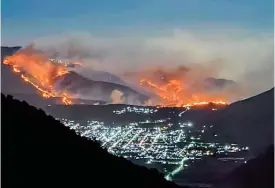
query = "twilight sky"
{"x": 25, "y": 20}
{"x": 233, "y": 36}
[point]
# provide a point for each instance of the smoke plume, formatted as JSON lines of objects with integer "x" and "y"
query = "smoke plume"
{"x": 187, "y": 55}
{"x": 117, "y": 97}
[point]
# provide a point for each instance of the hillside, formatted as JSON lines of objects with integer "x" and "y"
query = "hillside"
{"x": 39, "y": 151}
{"x": 39, "y": 102}
{"x": 103, "y": 76}
{"x": 7, "y": 51}
{"x": 9, "y": 82}
{"x": 258, "y": 172}
{"x": 216, "y": 83}
{"x": 249, "y": 122}
{"x": 74, "y": 83}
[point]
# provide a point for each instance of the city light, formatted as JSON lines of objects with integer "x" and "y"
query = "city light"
{"x": 172, "y": 145}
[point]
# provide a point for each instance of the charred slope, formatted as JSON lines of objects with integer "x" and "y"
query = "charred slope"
{"x": 97, "y": 90}
{"x": 258, "y": 172}
{"x": 249, "y": 122}
{"x": 39, "y": 151}
{"x": 10, "y": 83}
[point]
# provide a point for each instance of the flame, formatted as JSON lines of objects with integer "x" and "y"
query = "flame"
{"x": 41, "y": 72}
{"x": 15, "y": 69}
{"x": 173, "y": 94}
{"x": 65, "y": 99}
{"x": 37, "y": 70}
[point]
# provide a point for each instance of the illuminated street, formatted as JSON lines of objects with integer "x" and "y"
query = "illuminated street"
{"x": 161, "y": 144}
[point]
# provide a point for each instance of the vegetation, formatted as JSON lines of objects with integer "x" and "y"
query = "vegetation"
{"x": 39, "y": 151}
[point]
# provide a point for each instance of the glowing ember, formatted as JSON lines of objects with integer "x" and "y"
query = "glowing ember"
{"x": 172, "y": 94}
{"x": 15, "y": 69}
{"x": 38, "y": 71}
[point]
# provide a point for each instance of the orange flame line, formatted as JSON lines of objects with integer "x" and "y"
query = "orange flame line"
{"x": 46, "y": 94}
{"x": 169, "y": 93}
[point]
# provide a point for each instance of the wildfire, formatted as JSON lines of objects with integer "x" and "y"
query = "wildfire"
{"x": 173, "y": 94}
{"x": 39, "y": 72}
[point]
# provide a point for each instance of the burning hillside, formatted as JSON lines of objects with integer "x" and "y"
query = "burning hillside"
{"x": 172, "y": 93}
{"x": 53, "y": 79}
{"x": 183, "y": 86}
{"x": 38, "y": 71}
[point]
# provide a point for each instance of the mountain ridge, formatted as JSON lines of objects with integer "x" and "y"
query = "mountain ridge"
{"x": 257, "y": 172}
{"x": 250, "y": 121}
{"x": 34, "y": 148}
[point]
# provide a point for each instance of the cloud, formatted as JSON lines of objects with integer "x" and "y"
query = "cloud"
{"x": 238, "y": 55}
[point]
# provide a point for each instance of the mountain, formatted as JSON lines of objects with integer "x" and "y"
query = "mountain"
{"x": 100, "y": 76}
{"x": 7, "y": 51}
{"x": 39, "y": 151}
{"x": 9, "y": 82}
{"x": 257, "y": 172}
{"x": 249, "y": 122}
{"x": 218, "y": 83}
{"x": 79, "y": 85}
{"x": 75, "y": 83}
{"x": 103, "y": 76}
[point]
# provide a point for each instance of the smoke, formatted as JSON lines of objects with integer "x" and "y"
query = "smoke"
{"x": 117, "y": 97}
{"x": 188, "y": 55}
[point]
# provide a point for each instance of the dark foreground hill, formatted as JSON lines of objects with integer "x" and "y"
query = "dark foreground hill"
{"x": 258, "y": 172}
{"x": 39, "y": 151}
{"x": 249, "y": 122}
